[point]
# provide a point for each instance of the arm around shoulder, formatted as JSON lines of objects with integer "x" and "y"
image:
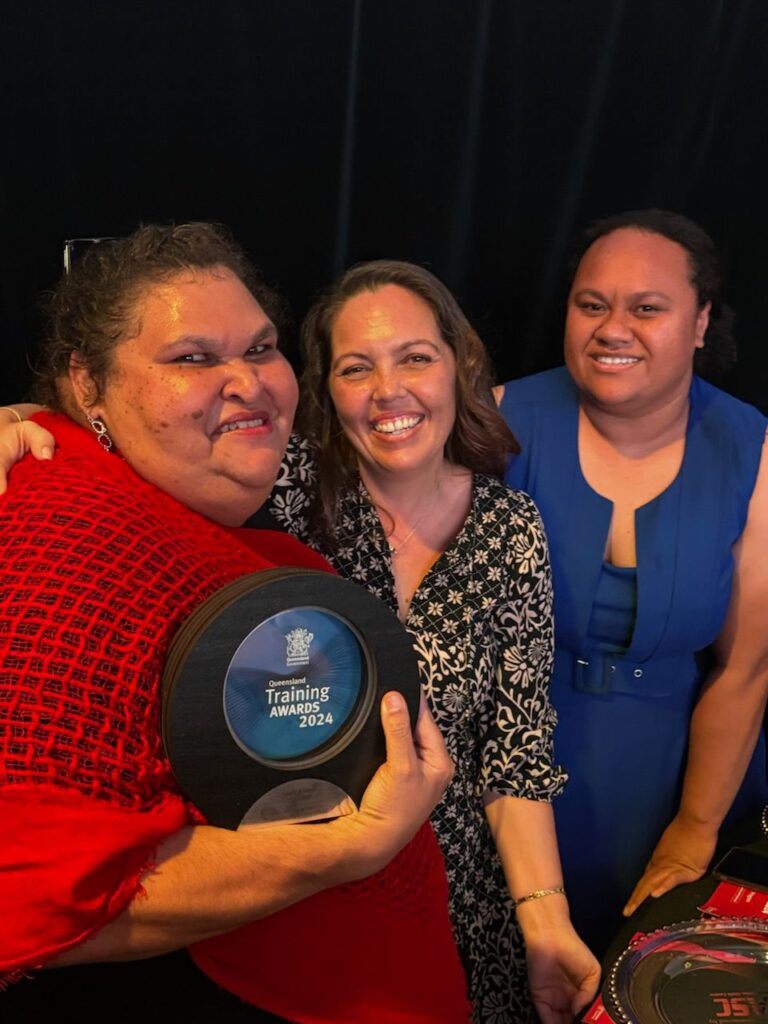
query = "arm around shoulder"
{"x": 19, "y": 435}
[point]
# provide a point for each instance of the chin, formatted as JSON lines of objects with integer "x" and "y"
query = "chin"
{"x": 255, "y": 469}
{"x": 256, "y": 482}
{"x": 609, "y": 388}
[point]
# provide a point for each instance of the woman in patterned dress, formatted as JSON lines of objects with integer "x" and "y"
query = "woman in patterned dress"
{"x": 398, "y": 485}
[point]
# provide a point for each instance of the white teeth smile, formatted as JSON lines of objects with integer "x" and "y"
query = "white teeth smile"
{"x": 241, "y": 425}
{"x": 616, "y": 360}
{"x": 397, "y": 426}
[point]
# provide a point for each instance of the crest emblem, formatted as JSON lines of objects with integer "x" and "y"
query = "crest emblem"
{"x": 297, "y": 646}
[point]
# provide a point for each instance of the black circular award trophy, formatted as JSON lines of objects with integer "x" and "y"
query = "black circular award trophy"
{"x": 271, "y": 696}
{"x": 696, "y": 972}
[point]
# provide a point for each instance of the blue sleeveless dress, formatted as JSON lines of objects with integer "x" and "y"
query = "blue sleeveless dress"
{"x": 631, "y": 645}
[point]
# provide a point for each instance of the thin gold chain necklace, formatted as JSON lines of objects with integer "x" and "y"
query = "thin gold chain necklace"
{"x": 396, "y": 549}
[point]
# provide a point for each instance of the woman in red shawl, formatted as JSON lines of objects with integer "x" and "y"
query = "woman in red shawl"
{"x": 173, "y": 406}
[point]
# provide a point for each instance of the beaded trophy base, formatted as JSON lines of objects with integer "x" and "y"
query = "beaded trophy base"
{"x": 694, "y": 972}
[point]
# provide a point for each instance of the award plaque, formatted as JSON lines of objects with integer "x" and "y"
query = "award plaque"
{"x": 271, "y": 696}
{"x": 697, "y": 972}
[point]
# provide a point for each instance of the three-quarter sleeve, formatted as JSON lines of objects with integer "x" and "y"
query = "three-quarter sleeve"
{"x": 516, "y": 755}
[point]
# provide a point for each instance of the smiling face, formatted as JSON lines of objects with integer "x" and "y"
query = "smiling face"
{"x": 393, "y": 382}
{"x": 200, "y": 402}
{"x": 633, "y": 322}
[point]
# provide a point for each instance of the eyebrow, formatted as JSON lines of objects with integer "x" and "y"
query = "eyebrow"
{"x": 635, "y": 296}
{"x": 402, "y": 347}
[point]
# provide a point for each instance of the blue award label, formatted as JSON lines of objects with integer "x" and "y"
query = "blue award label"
{"x": 293, "y": 686}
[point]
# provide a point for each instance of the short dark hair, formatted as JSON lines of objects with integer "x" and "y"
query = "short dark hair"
{"x": 480, "y": 440}
{"x": 719, "y": 351}
{"x": 94, "y": 304}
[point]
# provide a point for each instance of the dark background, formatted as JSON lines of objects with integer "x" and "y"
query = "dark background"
{"x": 476, "y": 136}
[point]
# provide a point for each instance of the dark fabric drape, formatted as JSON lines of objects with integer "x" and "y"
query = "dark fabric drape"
{"x": 476, "y": 136}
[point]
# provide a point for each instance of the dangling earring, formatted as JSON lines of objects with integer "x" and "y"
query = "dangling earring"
{"x": 99, "y": 428}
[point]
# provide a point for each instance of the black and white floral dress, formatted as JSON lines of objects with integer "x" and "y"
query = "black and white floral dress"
{"x": 481, "y": 623}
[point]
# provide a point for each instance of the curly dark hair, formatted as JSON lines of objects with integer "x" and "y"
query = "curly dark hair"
{"x": 480, "y": 440}
{"x": 93, "y": 307}
{"x": 719, "y": 352}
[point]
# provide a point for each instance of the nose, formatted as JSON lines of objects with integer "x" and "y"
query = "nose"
{"x": 241, "y": 380}
{"x": 614, "y": 328}
{"x": 387, "y": 383}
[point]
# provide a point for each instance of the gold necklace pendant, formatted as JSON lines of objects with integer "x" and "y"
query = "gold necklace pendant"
{"x": 395, "y": 550}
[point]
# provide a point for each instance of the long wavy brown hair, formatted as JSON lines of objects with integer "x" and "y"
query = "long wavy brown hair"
{"x": 480, "y": 440}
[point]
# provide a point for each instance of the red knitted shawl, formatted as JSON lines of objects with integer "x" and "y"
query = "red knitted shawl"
{"x": 99, "y": 570}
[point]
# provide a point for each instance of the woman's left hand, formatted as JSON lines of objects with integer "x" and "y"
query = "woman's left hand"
{"x": 682, "y": 855}
{"x": 563, "y": 976}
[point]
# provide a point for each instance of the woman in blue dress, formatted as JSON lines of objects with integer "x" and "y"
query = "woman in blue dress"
{"x": 653, "y": 488}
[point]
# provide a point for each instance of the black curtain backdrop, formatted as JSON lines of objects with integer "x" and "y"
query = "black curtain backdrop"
{"x": 475, "y": 136}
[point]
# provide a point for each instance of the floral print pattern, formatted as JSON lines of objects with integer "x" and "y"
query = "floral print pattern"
{"x": 481, "y": 624}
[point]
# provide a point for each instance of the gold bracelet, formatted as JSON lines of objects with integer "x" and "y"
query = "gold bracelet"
{"x": 10, "y": 408}
{"x": 538, "y": 894}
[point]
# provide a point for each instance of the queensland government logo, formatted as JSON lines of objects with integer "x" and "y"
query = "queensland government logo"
{"x": 297, "y": 646}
